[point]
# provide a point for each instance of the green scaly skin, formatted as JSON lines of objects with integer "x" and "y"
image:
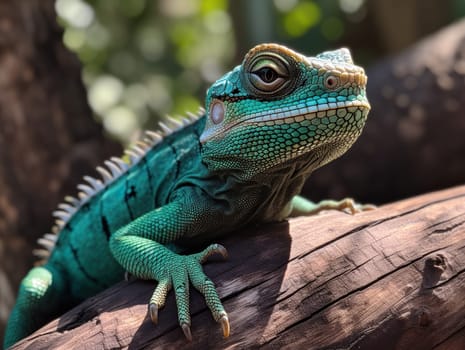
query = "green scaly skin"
{"x": 269, "y": 124}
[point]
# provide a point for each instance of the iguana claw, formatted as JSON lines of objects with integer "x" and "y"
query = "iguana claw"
{"x": 350, "y": 206}
{"x": 225, "y": 325}
{"x": 187, "y": 331}
{"x": 153, "y": 310}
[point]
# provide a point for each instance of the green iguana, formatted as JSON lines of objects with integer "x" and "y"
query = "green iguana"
{"x": 268, "y": 124}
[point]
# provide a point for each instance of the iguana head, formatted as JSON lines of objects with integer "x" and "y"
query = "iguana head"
{"x": 278, "y": 106}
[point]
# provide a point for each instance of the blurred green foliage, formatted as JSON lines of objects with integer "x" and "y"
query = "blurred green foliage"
{"x": 143, "y": 59}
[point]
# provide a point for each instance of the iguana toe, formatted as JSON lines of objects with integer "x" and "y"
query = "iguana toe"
{"x": 349, "y": 205}
{"x": 211, "y": 250}
{"x": 157, "y": 301}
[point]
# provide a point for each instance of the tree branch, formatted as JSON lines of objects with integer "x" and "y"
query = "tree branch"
{"x": 392, "y": 278}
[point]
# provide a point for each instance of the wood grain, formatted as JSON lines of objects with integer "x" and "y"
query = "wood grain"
{"x": 392, "y": 278}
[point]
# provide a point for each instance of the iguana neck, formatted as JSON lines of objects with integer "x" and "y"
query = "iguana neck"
{"x": 273, "y": 190}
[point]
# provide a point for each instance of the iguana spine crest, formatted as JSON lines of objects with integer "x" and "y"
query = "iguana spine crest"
{"x": 115, "y": 168}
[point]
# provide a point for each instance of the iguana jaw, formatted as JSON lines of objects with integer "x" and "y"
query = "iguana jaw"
{"x": 298, "y": 115}
{"x": 316, "y": 135}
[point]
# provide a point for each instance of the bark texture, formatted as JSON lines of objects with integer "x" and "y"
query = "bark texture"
{"x": 392, "y": 278}
{"x": 48, "y": 138}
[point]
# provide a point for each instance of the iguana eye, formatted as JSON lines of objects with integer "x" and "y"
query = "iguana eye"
{"x": 267, "y": 79}
{"x": 267, "y": 73}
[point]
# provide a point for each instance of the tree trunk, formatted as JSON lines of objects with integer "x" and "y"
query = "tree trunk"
{"x": 48, "y": 138}
{"x": 392, "y": 278}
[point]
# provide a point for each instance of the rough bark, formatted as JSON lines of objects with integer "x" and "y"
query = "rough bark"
{"x": 48, "y": 138}
{"x": 413, "y": 141}
{"x": 392, "y": 278}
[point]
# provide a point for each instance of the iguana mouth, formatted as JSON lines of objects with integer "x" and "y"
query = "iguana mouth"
{"x": 304, "y": 113}
{"x": 295, "y": 115}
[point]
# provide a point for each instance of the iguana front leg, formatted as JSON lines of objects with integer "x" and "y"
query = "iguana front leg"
{"x": 140, "y": 248}
{"x": 302, "y": 206}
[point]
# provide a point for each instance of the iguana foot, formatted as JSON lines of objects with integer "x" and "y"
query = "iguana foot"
{"x": 303, "y": 206}
{"x": 346, "y": 205}
{"x": 180, "y": 270}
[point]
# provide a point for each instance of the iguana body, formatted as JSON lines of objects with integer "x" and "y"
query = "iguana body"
{"x": 269, "y": 123}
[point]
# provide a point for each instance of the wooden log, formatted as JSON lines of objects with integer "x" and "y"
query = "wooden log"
{"x": 392, "y": 278}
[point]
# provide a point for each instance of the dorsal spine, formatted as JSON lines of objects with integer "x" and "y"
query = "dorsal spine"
{"x": 114, "y": 168}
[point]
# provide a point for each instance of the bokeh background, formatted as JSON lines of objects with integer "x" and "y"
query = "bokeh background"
{"x": 141, "y": 60}
{"x": 144, "y": 59}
